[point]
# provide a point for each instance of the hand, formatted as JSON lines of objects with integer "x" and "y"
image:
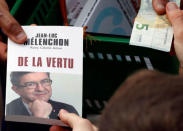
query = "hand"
{"x": 40, "y": 108}
{"x": 10, "y": 27}
{"x": 160, "y": 6}
{"x": 75, "y": 122}
{"x": 175, "y": 16}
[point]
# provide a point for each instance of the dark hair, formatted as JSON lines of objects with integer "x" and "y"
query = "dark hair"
{"x": 16, "y": 76}
{"x": 146, "y": 101}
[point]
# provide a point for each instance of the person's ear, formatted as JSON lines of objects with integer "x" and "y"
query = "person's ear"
{"x": 15, "y": 88}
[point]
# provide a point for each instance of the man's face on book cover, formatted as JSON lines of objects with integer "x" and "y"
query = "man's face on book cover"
{"x": 36, "y": 85}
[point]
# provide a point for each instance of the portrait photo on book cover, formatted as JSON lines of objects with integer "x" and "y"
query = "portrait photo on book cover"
{"x": 42, "y": 94}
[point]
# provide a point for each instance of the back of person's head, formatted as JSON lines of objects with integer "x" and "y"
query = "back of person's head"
{"x": 146, "y": 101}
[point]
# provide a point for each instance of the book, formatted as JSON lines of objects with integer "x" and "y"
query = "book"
{"x": 106, "y": 17}
{"x": 129, "y": 10}
{"x": 74, "y": 8}
{"x": 44, "y": 75}
{"x": 86, "y": 12}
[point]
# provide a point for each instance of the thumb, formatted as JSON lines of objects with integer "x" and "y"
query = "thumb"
{"x": 175, "y": 16}
{"x": 3, "y": 51}
{"x": 9, "y": 25}
{"x": 12, "y": 28}
{"x": 159, "y": 6}
{"x": 75, "y": 122}
{"x": 70, "y": 119}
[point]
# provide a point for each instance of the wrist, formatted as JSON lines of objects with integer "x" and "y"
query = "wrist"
{"x": 180, "y": 68}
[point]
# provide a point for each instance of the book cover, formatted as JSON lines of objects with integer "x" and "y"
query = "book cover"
{"x": 86, "y": 13}
{"x": 74, "y": 8}
{"x": 129, "y": 9}
{"x": 44, "y": 75}
{"x": 104, "y": 16}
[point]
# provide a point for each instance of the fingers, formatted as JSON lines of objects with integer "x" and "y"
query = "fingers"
{"x": 69, "y": 118}
{"x": 95, "y": 128}
{"x": 175, "y": 16}
{"x": 33, "y": 24}
{"x": 10, "y": 26}
{"x": 58, "y": 128}
{"x": 159, "y": 6}
{"x": 75, "y": 122}
{"x": 3, "y": 51}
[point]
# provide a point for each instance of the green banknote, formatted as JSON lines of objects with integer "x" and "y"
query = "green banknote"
{"x": 152, "y": 30}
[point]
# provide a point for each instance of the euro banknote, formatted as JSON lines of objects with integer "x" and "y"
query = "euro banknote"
{"x": 152, "y": 30}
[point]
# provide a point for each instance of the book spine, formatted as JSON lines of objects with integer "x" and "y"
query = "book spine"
{"x": 128, "y": 10}
{"x": 74, "y": 9}
{"x": 85, "y": 14}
